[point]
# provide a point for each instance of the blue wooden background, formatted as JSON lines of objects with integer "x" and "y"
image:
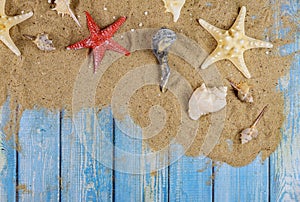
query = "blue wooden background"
{"x": 55, "y": 164}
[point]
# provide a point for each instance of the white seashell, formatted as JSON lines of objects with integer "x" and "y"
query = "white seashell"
{"x": 63, "y": 7}
{"x": 42, "y": 41}
{"x": 174, "y": 6}
{"x": 207, "y": 100}
{"x": 248, "y": 134}
{"x": 243, "y": 91}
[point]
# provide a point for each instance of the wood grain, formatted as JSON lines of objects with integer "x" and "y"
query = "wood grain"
{"x": 249, "y": 183}
{"x": 83, "y": 177}
{"x": 284, "y": 166}
{"x": 191, "y": 179}
{"x": 7, "y": 158}
{"x": 38, "y": 158}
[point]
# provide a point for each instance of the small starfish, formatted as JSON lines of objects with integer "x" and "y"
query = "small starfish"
{"x": 232, "y": 43}
{"x": 6, "y": 22}
{"x": 100, "y": 40}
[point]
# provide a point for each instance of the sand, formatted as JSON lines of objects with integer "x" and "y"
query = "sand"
{"x": 46, "y": 79}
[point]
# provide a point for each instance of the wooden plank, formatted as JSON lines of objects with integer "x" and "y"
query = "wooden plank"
{"x": 284, "y": 167}
{"x": 249, "y": 183}
{"x": 38, "y": 158}
{"x": 84, "y": 151}
{"x": 155, "y": 174}
{"x": 7, "y": 159}
{"x": 136, "y": 175}
{"x": 128, "y": 182}
{"x": 285, "y": 170}
{"x": 191, "y": 179}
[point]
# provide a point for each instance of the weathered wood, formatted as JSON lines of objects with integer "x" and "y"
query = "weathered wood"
{"x": 136, "y": 175}
{"x": 83, "y": 176}
{"x": 285, "y": 170}
{"x": 38, "y": 158}
{"x": 191, "y": 179}
{"x": 249, "y": 183}
{"x": 128, "y": 183}
{"x": 7, "y": 159}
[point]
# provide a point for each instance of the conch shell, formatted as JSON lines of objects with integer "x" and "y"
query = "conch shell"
{"x": 174, "y": 6}
{"x": 243, "y": 91}
{"x": 207, "y": 100}
{"x": 42, "y": 41}
{"x": 249, "y": 133}
{"x": 63, "y": 7}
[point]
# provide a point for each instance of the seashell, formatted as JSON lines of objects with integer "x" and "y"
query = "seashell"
{"x": 63, "y": 7}
{"x": 174, "y": 6}
{"x": 161, "y": 43}
{"x": 249, "y": 133}
{"x": 243, "y": 91}
{"x": 42, "y": 42}
{"x": 207, "y": 100}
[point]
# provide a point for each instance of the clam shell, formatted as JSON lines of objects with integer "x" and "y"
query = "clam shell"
{"x": 207, "y": 100}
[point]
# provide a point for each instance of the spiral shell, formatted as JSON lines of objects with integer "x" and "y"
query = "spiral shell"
{"x": 63, "y": 7}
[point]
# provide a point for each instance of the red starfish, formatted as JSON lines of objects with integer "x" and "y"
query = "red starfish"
{"x": 100, "y": 40}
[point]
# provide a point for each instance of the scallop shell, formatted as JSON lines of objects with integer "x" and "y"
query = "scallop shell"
{"x": 207, "y": 100}
{"x": 174, "y": 6}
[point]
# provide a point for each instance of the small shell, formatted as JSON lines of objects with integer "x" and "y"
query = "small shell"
{"x": 63, "y": 7}
{"x": 174, "y": 6}
{"x": 243, "y": 91}
{"x": 207, "y": 100}
{"x": 248, "y": 134}
{"x": 161, "y": 43}
{"x": 42, "y": 42}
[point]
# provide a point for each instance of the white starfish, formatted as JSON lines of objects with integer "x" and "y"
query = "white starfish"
{"x": 6, "y": 22}
{"x": 232, "y": 43}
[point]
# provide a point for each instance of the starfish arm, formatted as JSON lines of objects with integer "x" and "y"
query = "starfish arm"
{"x": 240, "y": 64}
{"x": 212, "y": 58}
{"x": 2, "y": 8}
{"x": 6, "y": 39}
{"x": 112, "y": 29}
{"x": 19, "y": 18}
{"x": 98, "y": 56}
{"x": 254, "y": 43}
{"x": 112, "y": 45}
{"x": 239, "y": 23}
{"x": 214, "y": 31}
{"x": 93, "y": 27}
{"x": 79, "y": 45}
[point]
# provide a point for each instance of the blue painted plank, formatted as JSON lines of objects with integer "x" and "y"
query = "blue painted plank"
{"x": 249, "y": 183}
{"x": 38, "y": 158}
{"x": 285, "y": 170}
{"x": 128, "y": 180}
{"x": 155, "y": 181}
{"x": 87, "y": 156}
{"x": 190, "y": 178}
{"x": 136, "y": 175}
{"x": 7, "y": 158}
